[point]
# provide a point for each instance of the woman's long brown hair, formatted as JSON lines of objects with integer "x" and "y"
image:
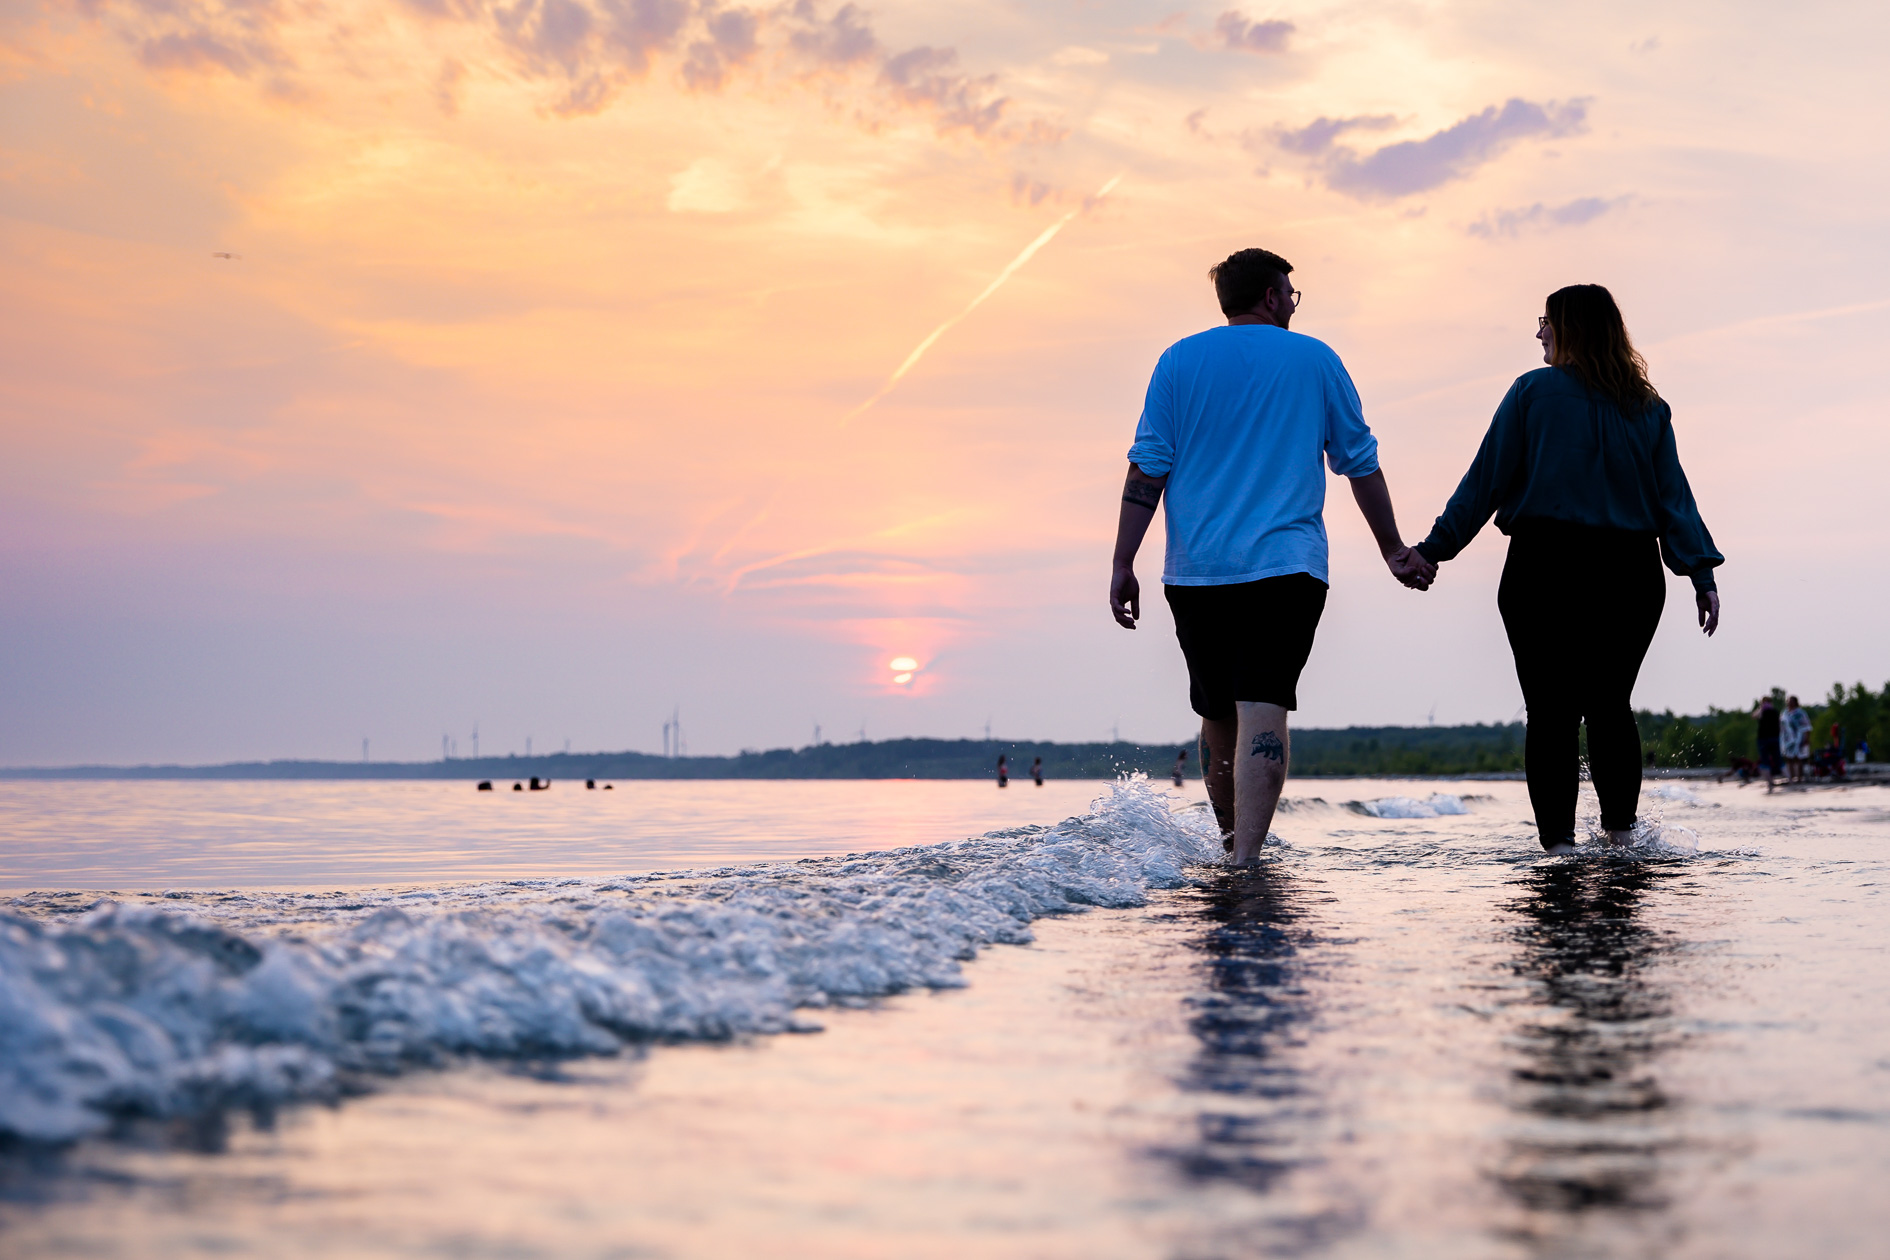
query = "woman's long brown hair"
{"x": 1592, "y": 341}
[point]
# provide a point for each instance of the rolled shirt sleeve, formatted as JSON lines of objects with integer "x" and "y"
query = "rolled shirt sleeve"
{"x": 1351, "y": 448}
{"x": 1154, "y": 448}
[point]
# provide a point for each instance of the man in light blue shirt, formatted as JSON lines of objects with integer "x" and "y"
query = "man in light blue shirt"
{"x": 1239, "y": 427}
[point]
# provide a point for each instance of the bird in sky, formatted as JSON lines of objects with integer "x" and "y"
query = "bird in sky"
{"x": 230, "y": 257}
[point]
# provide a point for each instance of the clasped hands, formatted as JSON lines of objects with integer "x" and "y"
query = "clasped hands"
{"x": 1409, "y": 566}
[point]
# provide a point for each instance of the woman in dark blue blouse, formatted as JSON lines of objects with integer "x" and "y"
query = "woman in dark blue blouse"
{"x": 1581, "y": 471}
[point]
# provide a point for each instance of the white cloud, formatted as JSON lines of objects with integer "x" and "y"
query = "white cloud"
{"x": 707, "y": 186}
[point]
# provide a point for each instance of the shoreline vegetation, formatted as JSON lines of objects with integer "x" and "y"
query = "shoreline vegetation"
{"x": 1697, "y": 742}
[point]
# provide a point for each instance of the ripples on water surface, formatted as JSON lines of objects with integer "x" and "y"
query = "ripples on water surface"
{"x": 1408, "y": 1033}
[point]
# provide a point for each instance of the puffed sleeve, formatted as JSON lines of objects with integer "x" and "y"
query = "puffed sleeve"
{"x": 1684, "y": 541}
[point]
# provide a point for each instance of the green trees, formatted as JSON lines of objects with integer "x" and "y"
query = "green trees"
{"x": 1722, "y": 734}
{"x": 1696, "y": 741}
{"x": 1860, "y": 714}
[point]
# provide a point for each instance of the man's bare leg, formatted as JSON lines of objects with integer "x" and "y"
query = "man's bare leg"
{"x": 1218, "y": 739}
{"x": 1259, "y": 774}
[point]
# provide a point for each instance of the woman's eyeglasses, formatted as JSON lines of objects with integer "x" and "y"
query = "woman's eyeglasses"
{"x": 1542, "y": 322}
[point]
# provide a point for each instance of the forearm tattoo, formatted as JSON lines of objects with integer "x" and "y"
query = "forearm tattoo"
{"x": 1141, "y": 493}
{"x": 1267, "y": 744}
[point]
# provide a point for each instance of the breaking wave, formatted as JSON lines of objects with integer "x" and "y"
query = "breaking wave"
{"x": 1675, "y": 793}
{"x": 1436, "y": 805}
{"x": 257, "y": 999}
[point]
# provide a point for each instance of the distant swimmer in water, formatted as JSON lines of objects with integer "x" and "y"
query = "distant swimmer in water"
{"x": 1582, "y": 471}
{"x": 1181, "y": 763}
{"x": 1036, "y": 770}
{"x": 1004, "y": 770}
{"x": 1238, "y": 428}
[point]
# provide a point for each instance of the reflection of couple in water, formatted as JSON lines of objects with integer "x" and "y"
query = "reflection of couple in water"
{"x": 1590, "y": 1127}
{"x": 1579, "y": 468}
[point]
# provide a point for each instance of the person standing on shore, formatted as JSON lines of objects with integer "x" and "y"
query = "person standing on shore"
{"x": 1581, "y": 469}
{"x": 1238, "y": 428}
{"x": 1795, "y": 740}
{"x": 1768, "y": 741}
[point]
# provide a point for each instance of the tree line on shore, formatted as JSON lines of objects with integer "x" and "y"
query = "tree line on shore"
{"x": 1858, "y": 713}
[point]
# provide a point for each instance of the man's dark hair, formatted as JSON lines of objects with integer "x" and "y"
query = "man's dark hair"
{"x": 1242, "y": 281}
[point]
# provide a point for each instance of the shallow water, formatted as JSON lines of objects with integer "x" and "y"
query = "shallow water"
{"x": 1404, "y": 1035}
{"x": 118, "y": 834}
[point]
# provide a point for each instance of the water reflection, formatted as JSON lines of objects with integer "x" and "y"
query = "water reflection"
{"x": 1251, "y": 1127}
{"x": 1593, "y": 1120}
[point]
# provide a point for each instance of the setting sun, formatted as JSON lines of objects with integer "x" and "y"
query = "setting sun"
{"x": 903, "y": 665}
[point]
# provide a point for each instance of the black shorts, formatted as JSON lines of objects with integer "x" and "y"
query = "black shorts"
{"x": 1246, "y": 641}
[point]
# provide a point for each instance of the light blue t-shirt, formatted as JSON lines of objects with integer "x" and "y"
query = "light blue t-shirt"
{"x": 1239, "y": 419}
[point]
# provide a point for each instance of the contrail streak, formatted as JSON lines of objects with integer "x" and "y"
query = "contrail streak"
{"x": 1029, "y": 252}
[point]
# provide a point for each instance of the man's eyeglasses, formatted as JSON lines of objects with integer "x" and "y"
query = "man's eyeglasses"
{"x": 1293, "y": 296}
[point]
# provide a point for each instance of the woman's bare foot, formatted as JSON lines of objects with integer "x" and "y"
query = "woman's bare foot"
{"x": 1620, "y": 839}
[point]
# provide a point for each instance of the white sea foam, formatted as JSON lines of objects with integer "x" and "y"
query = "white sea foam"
{"x": 256, "y": 999}
{"x": 1654, "y": 835}
{"x": 1436, "y": 805}
{"x": 1674, "y": 792}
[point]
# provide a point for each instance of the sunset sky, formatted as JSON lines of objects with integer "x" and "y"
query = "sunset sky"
{"x": 373, "y": 370}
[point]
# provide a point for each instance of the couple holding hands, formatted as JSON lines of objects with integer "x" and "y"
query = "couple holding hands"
{"x": 1579, "y": 468}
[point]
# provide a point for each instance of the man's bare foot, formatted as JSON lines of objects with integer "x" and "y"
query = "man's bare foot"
{"x": 1620, "y": 839}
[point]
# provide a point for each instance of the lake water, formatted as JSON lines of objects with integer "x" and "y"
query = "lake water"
{"x": 153, "y": 834}
{"x": 679, "y": 1020}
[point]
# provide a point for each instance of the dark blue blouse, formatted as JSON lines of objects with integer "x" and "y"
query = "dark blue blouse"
{"x": 1557, "y": 451}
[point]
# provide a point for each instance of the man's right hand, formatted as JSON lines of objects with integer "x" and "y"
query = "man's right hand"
{"x": 1409, "y": 566}
{"x": 1125, "y": 598}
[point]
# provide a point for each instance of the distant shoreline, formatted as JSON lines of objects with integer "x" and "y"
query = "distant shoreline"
{"x": 1355, "y": 752}
{"x": 1492, "y": 751}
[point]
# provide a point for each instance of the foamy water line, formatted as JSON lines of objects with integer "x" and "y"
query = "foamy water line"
{"x": 257, "y": 999}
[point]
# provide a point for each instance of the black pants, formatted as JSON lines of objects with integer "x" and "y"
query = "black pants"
{"x": 1580, "y": 606}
